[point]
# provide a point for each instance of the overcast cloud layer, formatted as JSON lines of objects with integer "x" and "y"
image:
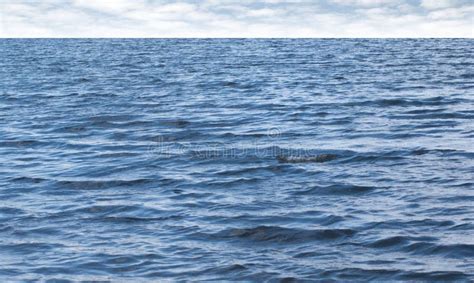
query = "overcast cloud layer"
{"x": 229, "y": 18}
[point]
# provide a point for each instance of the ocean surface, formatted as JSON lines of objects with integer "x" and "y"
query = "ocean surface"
{"x": 233, "y": 159}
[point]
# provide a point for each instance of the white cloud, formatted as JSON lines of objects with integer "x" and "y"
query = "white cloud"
{"x": 437, "y": 4}
{"x": 232, "y": 18}
{"x": 453, "y": 14}
{"x": 115, "y": 6}
{"x": 367, "y": 3}
{"x": 263, "y": 13}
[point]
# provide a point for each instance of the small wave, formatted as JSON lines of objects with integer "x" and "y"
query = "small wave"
{"x": 451, "y": 250}
{"x": 305, "y": 159}
{"x": 432, "y": 116}
{"x": 249, "y": 170}
{"x": 70, "y": 129}
{"x": 178, "y": 123}
{"x": 114, "y": 117}
{"x": 120, "y": 213}
{"x": 285, "y": 235}
{"x": 102, "y": 184}
{"x": 374, "y": 157}
{"x": 392, "y": 102}
{"x": 361, "y": 274}
{"x": 394, "y": 224}
{"x": 232, "y": 182}
{"x": 28, "y": 248}
{"x": 8, "y": 211}
{"x": 116, "y": 155}
{"x": 397, "y": 241}
{"x": 236, "y": 160}
{"x": 346, "y": 190}
{"x": 33, "y": 180}
{"x": 135, "y": 219}
{"x": 20, "y": 143}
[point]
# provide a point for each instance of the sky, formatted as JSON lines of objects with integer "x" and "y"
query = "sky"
{"x": 232, "y": 18}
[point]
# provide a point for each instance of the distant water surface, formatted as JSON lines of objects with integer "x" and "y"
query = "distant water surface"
{"x": 236, "y": 160}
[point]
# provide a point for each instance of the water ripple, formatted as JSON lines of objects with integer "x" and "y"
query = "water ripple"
{"x": 236, "y": 160}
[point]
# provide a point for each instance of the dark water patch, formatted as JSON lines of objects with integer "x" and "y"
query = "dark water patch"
{"x": 434, "y": 276}
{"x": 360, "y": 274}
{"x": 405, "y": 102}
{"x": 114, "y": 118}
{"x": 35, "y": 232}
{"x": 398, "y": 241}
{"x": 10, "y": 272}
{"x": 463, "y": 226}
{"x": 29, "y": 247}
{"x": 9, "y": 212}
{"x": 343, "y": 189}
{"x": 178, "y": 123}
{"x": 102, "y": 184}
{"x": 191, "y": 196}
{"x": 284, "y": 235}
{"x": 117, "y": 155}
{"x": 445, "y": 152}
{"x": 431, "y": 222}
{"x": 181, "y": 136}
{"x": 447, "y": 126}
{"x": 133, "y": 219}
{"x": 70, "y": 129}
{"x": 433, "y": 116}
{"x": 425, "y": 111}
{"x": 371, "y": 157}
{"x": 449, "y": 250}
{"x": 20, "y": 143}
{"x": 25, "y": 179}
{"x": 393, "y": 224}
{"x": 121, "y": 213}
{"x": 388, "y": 242}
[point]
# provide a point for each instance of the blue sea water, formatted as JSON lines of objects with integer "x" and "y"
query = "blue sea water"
{"x": 234, "y": 159}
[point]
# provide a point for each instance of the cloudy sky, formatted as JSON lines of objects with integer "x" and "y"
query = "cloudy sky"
{"x": 233, "y": 18}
